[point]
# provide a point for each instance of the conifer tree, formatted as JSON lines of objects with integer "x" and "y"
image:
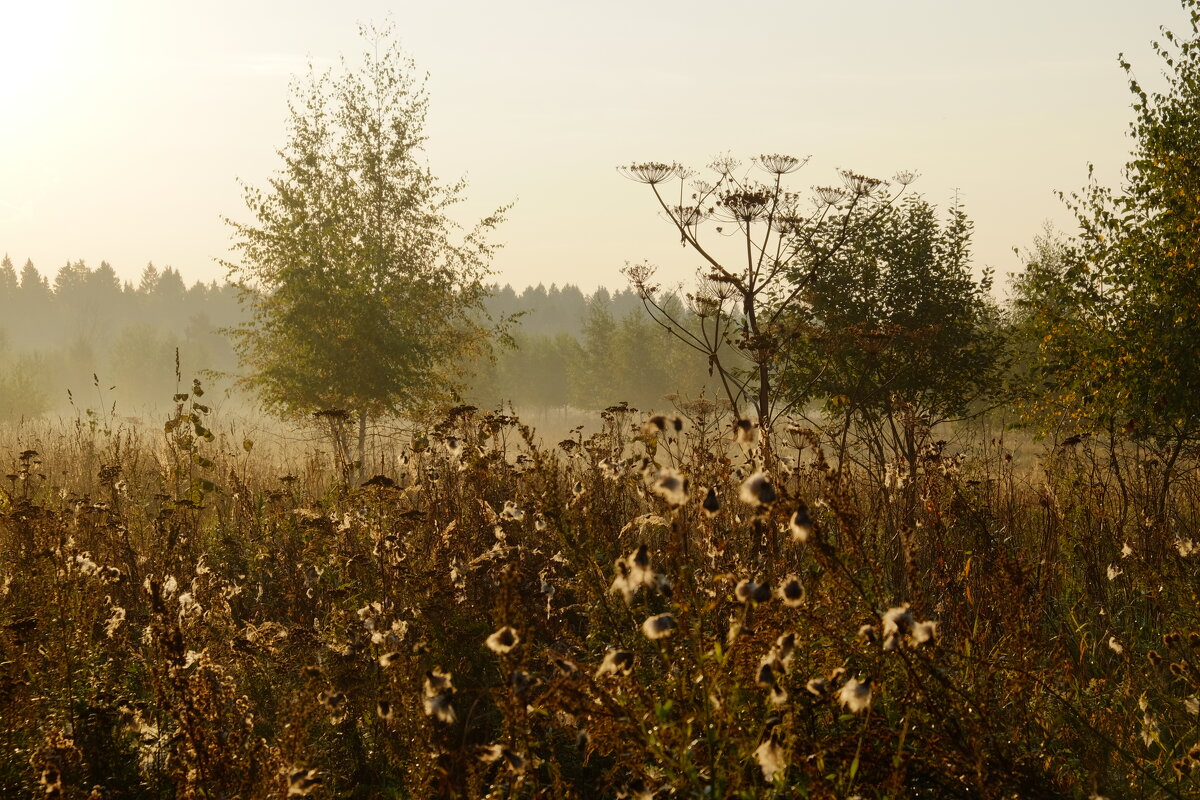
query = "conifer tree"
{"x": 8, "y": 276}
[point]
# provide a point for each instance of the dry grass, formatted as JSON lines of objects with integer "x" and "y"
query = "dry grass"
{"x": 185, "y": 616}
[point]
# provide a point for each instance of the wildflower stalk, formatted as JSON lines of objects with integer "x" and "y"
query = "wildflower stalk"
{"x": 852, "y": 773}
{"x": 1086, "y": 725}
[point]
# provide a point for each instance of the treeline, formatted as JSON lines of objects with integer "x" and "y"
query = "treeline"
{"x": 589, "y": 352}
{"x": 84, "y": 329}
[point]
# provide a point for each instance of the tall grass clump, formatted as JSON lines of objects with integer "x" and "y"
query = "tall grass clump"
{"x": 651, "y": 610}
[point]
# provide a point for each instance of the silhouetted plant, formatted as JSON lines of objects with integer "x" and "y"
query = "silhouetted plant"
{"x": 779, "y": 244}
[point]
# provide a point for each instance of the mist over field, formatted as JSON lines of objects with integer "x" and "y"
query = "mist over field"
{"x": 81, "y": 339}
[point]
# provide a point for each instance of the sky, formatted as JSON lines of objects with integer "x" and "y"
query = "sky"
{"x": 126, "y": 125}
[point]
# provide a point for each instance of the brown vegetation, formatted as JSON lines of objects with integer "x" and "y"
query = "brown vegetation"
{"x": 492, "y": 618}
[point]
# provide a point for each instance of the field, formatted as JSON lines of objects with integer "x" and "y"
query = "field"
{"x": 478, "y": 615}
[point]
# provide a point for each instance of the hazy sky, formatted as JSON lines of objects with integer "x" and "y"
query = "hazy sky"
{"x": 125, "y": 124}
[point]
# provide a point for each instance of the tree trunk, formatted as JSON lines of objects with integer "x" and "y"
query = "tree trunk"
{"x": 362, "y": 447}
{"x": 1169, "y": 468}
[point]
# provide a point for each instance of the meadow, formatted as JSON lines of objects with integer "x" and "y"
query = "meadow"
{"x": 184, "y": 613}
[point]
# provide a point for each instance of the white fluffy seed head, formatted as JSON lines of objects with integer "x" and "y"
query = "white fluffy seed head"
{"x": 855, "y": 695}
{"x": 758, "y": 491}
{"x": 503, "y": 640}
{"x": 659, "y": 626}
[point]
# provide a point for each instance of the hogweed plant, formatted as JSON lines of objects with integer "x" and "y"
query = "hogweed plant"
{"x": 762, "y": 245}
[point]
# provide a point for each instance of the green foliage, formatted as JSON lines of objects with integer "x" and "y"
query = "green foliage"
{"x": 1114, "y": 311}
{"x": 748, "y": 290}
{"x": 22, "y": 385}
{"x": 588, "y": 352}
{"x": 186, "y": 434}
{"x": 896, "y": 319}
{"x": 597, "y": 367}
{"x": 361, "y": 297}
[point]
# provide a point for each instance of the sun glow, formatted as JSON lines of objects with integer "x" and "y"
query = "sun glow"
{"x": 40, "y": 48}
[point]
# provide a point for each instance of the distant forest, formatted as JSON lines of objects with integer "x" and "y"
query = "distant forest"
{"x": 106, "y": 341}
{"x": 585, "y": 351}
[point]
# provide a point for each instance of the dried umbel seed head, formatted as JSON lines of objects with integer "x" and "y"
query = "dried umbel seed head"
{"x": 830, "y": 195}
{"x": 1178, "y": 669}
{"x": 747, "y": 204}
{"x": 1172, "y": 639}
{"x": 1154, "y": 657}
{"x": 779, "y": 164}
{"x": 650, "y": 172}
{"x": 711, "y": 504}
{"x": 860, "y": 185}
{"x": 1194, "y": 639}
